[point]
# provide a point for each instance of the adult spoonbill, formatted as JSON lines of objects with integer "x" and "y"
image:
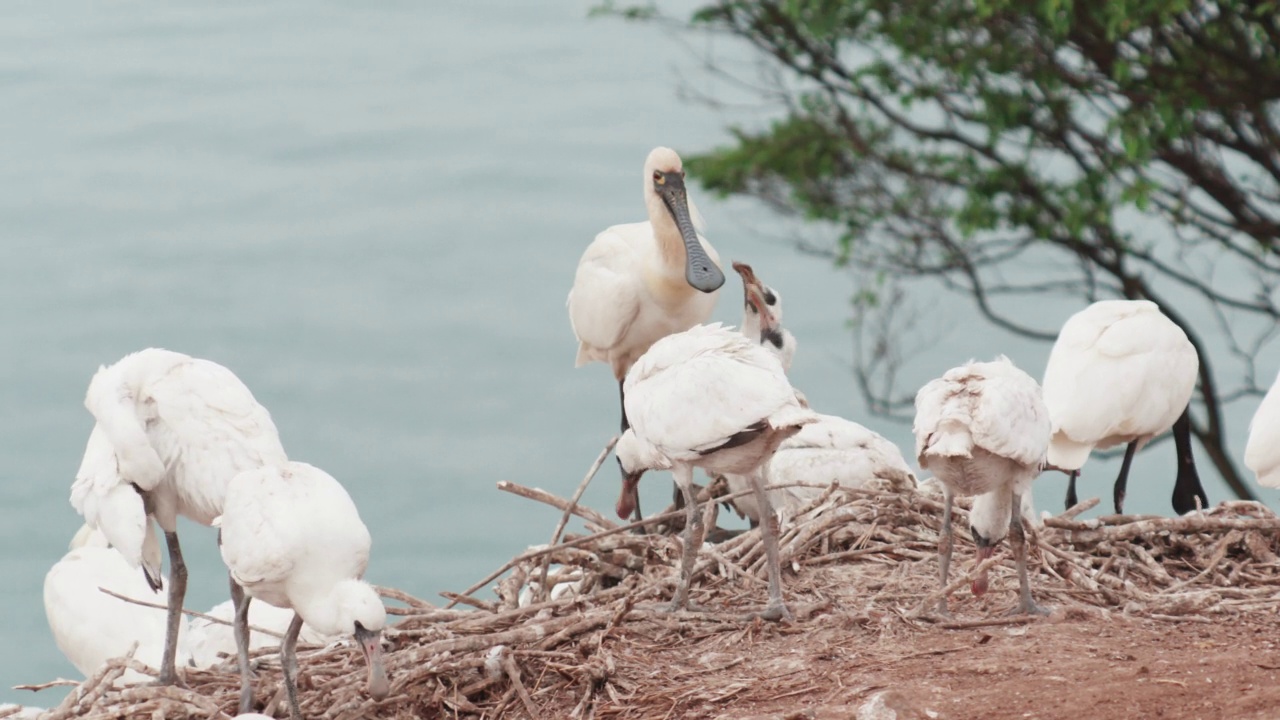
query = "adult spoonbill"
{"x": 293, "y": 538}
{"x": 209, "y": 641}
{"x": 831, "y": 449}
{"x": 1262, "y": 452}
{"x": 983, "y": 429}
{"x": 1122, "y": 372}
{"x": 639, "y": 282}
{"x": 172, "y": 430}
{"x": 90, "y": 626}
{"x": 708, "y": 397}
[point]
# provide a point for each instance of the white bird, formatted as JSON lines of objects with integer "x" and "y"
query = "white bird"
{"x": 708, "y": 397}
{"x": 90, "y": 626}
{"x": 1122, "y": 372}
{"x": 1262, "y": 452}
{"x": 831, "y": 449}
{"x": 172, "y": 430}
{"x": 639, "y": 282}
{"x": 209, "y": 641}
{"x": 983, "y": 429}
{"x": 292, "y": 537}
{"x": 20, "y": 712}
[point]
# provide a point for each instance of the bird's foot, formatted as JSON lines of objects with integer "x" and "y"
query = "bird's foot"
{"x": 719, "y": 535}
{"x": 775, "y": 612}
{"x": 1029, "y": 607}
{"x": 686, "y": 606}
{"x": 169, "y": 680}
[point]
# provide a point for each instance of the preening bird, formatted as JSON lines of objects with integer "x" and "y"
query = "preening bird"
{"x": 209, "y": 641}
{"x": 708, "y": 397}
{"x": 639, "y": 282}
{"x": 1121, "y": 372}
{"x": 90, "y": 626}
{"x": 983, "y": 429}
{"x": 1262, "y": 453}
{"x": 172, "y": 430}
{"x": 293, "y": 538}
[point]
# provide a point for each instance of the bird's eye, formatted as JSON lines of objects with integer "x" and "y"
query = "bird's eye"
{"x": 769, "y": 298}
{"x": 658, "y": 178}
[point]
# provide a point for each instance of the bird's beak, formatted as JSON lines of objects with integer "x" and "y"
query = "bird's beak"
{"x": 979, "y": 585}
{"x": 371, "y": 645}
{"x": 629, "y": 498}
{"x": 753, "y": 289}
{"x": 700, "y": 272}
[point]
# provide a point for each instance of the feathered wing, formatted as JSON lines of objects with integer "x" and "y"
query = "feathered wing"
{"x": 260, "y": 528}
{"x": 211, "y": 642}
{"x": 837, "y": 450}
{"x": 1262, "y": 452}
{"x": 605, "y": 298}
{"x": 114, "y": 403}
{"x": 707, "y": 367}
{"x": 1011, "y": 420}
{"x": 209, "y": 428}
{"x": 936, "y": 405}
{"x": 1118, "y": 369}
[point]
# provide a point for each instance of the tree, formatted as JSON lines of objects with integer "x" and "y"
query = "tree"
{"x": 1125, "y": 148}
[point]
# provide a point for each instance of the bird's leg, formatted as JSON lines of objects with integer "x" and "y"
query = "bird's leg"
{"x": 1187, "y": 490}
{"x": 289, "y": 664}
{"x": 691, "y": 538}
{"x": 776, "y": 610}
{"x": 945, "y": 544}
{"x": 177, "y": 593}
{"x": 636, "y": 515}
{"x": 1072, "y": 500}
{"x": 1018, "y": 539}
{"x": 241, "y": 631}
{"x": 1123, "y": 479}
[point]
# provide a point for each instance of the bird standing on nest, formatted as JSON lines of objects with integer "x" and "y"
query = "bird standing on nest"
{"x": 172, "y": 430}
{"x": 1121, "y": 372}
{"x": 983, "y": 429}
{"x": 640, "y": 282}
{"x": 292, "y": 537}
{"x": 711, "y": 398}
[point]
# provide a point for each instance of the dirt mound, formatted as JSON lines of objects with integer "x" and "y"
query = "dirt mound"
{"x": 1153, "y": 617}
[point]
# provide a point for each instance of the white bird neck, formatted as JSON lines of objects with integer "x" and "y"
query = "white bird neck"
{"x": 990, "y": 514}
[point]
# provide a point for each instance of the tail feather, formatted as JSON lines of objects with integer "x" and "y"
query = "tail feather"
{"x": 951, "y": 439}
{"x": 113, "y": 405}
{"x": 1067, "y": 454}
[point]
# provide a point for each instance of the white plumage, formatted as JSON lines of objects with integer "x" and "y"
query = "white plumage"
{"x": 983, "y": 429}
{"x": 171, "y": 432}
{"x": 20, "y": 712}
{"x": 90, "y": 626}
{"x": 1262, "y": 453}
{"x": 639, "y": 282}
{"x": 1121, "y": 372}
{"x": 708, "y": 397}
{"x": 832, "y": 449}
{"x": 292, "y": 537}
{"x": 210, "y": 641}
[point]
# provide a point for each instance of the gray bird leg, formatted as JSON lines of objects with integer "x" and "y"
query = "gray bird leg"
{"x": 945, "y": 544}
{"x": 240, "y": 602}
{"x": 776, "y": 610}
{"x": 1018, "y": 539}
{"x": 691, "y": 538}
{"x": 289, "y": 664}
{"x": 177, "y": 593}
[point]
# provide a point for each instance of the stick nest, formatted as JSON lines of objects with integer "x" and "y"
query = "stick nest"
{"x": 604, "y": 644}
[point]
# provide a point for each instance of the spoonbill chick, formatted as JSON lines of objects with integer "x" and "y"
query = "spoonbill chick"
{"x": 1121, "y": 372}
{"x": 171, "y": 432}
{"x": 293, "y": 538}
{"x": 639, "y": 282}
{"x": 90, "y": 626}
{"x": 708, "y": 397}
{"x": 983, "y": 429}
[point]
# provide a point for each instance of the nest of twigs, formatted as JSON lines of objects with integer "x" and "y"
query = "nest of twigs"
{"x": 605, "y": 643}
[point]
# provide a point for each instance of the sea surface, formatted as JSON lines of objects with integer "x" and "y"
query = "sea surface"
{"x": 372, "y": 214}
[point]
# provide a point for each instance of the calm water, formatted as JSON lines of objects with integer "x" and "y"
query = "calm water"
{"x": 372, "y": 215}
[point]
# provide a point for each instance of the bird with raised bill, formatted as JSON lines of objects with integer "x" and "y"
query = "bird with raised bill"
{"x": 1121, "y": 372}
{"x": 292, "y": 537}
{"x": 709, "y": 397}
{"x": 983, "y": 429}
{"x": 171, "y": 432}
{"x": 639, "y": 282}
